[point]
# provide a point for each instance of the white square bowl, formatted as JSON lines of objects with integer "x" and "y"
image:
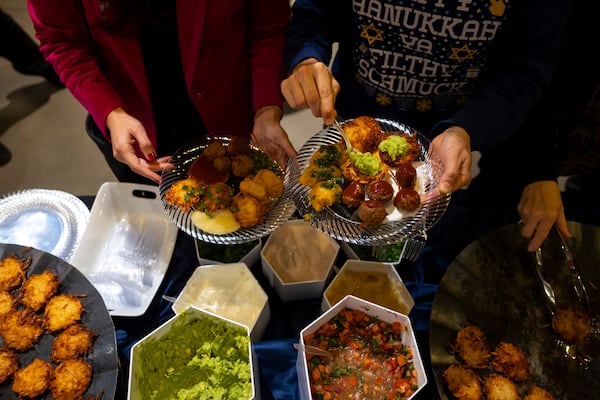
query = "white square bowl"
{"x": 127, "y": 246}
{"x": 373, "y": 310}
{"x": 210, "y": 330}
{"x": 373, "y": 281}
{"x": 230, "y": 291}
{"x": 298, "y": 259}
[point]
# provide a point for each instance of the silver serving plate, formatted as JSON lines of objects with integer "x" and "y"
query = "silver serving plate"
{"x": 49, "y": 220}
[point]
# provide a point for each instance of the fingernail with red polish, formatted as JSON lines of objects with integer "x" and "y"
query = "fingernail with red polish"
{"x": 151, "y": 156}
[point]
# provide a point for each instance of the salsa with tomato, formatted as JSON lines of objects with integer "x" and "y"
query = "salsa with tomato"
{"x": 368, "y": 359}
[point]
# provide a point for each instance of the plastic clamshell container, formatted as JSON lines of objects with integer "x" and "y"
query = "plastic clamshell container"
{"x": 372, "y": 309}
{"x": 230, "y": 291}
{"x": 137, "y": 368}
{"x": 250, "y": 258}
{"x": 298, "y": 259}
{"x": 373, "y": 281}
{"x": 126, "y": 247}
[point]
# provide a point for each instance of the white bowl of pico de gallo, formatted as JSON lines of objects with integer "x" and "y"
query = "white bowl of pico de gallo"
{"x": 373, "y": 354}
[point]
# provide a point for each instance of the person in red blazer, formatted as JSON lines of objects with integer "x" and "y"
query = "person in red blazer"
{"x": 153, "y": 74}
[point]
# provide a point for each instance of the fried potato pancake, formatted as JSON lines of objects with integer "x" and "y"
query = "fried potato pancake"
{"x": 511, "y": 361}
{"x": 572, "y": 324}
{"x": 498, "y": 387}
{"x": 7, "y": 302}
{"x": 471, "y": 346}
{"x": 538, "y": 393}
{"x": 364, "y": 133}
{"x": 248, "y": 210}
{"x": 38, "y": 289}
{"x": 184, "y": 194}
{"x": 71, "y": 379}
{"x": 12, "y": 272}
{"x": 61, "y": 311}
{"x": 21, "y": 329}
{"x": 9, "y": 364}
{"x": 463, "y": 382}
{"x": 75, "y": 341}
{"x": 32, "y": 380}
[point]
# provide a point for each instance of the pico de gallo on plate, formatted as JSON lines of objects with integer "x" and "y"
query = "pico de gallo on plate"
{"x": 368, "y": 359}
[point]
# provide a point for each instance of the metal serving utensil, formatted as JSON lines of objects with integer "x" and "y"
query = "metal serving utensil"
{"x": 313, "y": 350}
{"x": 340, "y": 129}
{"x": 578, "y": 285}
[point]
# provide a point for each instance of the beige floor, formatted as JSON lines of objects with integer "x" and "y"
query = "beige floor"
{"x": 44, "y": 130}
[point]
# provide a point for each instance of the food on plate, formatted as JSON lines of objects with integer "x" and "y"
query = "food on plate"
{"x": 364, "y": 133}
{"x": 203, "y": 357}
{"x": 238, "y": 145}
{"x": 38, "y": 289}
{"x": 463, "y": 383}
{"x": 9, "y": 364}
{"x": 372, "y": 212}
{"x": 510, "y": 361}
{"x": 324, "y": 194}
{"x": 222, "y": 164}
{"x": 406, "y": 174}
{"x": 25, "y": 335}
{"x": 219, "y": 222}
{"x": 363, "y": 167}
{"x": 7, "y": 302}
{"x": 380, "y": 190}
{"x": 204, "y": 172}
{"x": 361, "y": 173}
{"x": 538, "y": 393}
{"x": 214, "y": 149}
{"x": 61, "y": 311}
{"x": 12, "y": 272}
{"x": 272, "y": 183}
{"x": 351, "y": 337}
{"x": 265, "y": 186}
{"x": 571, "y": 323}
{"x": 233, "y": 201}
{"x": 397, "y": 148}
{"x": 32, "y": 380}
{"x": 407, "y": 199}
{"x": 242, "y": 165}
{"x": 499, "y": 387}
{"x": 21, "y": 329}
{"x": 471, "y": 347}
{"x": 248, "y": 210}
{"x": 216, "y": 196}
{"x": 184, "y": 194}
{"x": 75, "y": 341}
{"x": 71, "y": 379}
{"x": 353, "y": 194}
{"x": 314, "y": 174}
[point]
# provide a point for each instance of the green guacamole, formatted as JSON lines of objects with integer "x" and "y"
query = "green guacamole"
{"x": 395, "y": 146}
{"x": 198, "y": 358}
{"x": 366, "y": 163}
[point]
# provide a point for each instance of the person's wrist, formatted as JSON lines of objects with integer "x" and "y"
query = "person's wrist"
{"x": 270, "y": 112}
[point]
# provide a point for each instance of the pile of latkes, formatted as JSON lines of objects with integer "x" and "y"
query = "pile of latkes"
{"x": 374, "y": 176}
{"x": 231, "y": 185}
{"x": 30, "y": 307}
{"x": 480, "y": 370}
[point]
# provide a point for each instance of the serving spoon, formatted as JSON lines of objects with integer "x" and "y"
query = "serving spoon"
{"x": 313, "y": 350}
